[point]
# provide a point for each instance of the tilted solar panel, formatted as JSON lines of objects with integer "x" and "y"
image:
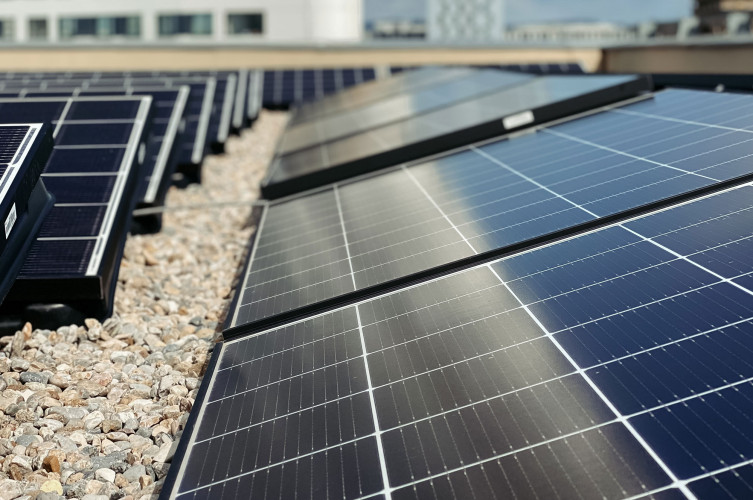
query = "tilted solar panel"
{"x": 409, "y": 104}
{"x": 71, "y": 270}
{"x": 613, "y": 364}
{"x": 162, "y": 144}
{"x": 24, "y": 201}
{"x": 502, "y": 195}
{"x": 231, "y": 97}
{"x": 540, "y": 100}
{"x": 198, "y": 116}
{"x": 284, "y": 87}
{"x": 199, "y": 113}
{"x": 366, "y": 93}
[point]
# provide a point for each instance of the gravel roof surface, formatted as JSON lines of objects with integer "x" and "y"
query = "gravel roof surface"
{"x": 95, "y": 411}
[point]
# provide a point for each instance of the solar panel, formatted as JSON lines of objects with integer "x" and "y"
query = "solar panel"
{"x": 199, "y": 115}
{"x": 541, "y": 99}
{"x": 162, "y": 144}
{"x": 230, "y": 98}
{"x": 614, "y": 364}
{"x": 284, "y": 87}
{"x": 366, "y": 93}
{"x": 24, "y": 201}
{"x": 100, "y": 144}
{"x": 356, "y": 236}
{"x": 409, "y": 104}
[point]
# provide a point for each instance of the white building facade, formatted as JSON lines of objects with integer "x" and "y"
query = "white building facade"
{"x": 465, "y": 20}
{"x": 272, "y": 21}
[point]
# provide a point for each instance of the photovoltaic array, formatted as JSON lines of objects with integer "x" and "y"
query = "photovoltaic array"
{"x": 161, "y": 151}
{"x": 100, "y": 143}
{"x": 562, "y": 313}
{"x": 114, "y": 151}
{"x": 613, "y": 364}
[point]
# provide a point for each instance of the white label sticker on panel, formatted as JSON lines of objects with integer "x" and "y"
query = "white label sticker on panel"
{"x": 518, "y": 120}
{"x": 10, "y": 220}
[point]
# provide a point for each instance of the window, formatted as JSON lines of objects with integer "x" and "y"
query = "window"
{"x": 185, "y": 24}
{"x": 243, "y": 24}
{"x": 6, "y": 30}
{"x": 72, "y": 27}
{"x": 38, "y": 29}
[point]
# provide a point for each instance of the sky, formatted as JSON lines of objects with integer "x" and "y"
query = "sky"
{"x": 535, "y": 11}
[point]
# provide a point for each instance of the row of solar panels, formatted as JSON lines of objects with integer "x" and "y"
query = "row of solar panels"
{"x": 562, "y": 310}
{"x": 191, "y": 113}
{"x": 99, "y": 145}
{"x": 283, "y": 88}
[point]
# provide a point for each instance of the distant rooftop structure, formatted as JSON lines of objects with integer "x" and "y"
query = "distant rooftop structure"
{"x": 570, "y": 32}
{"x": 281, "y": 21}
{"x": 396, "y": 29}
{"x": 724, "y": 16}
{"x": 465, "y": 20}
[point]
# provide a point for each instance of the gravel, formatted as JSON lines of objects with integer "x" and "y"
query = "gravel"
{"x": 95, "y": 411}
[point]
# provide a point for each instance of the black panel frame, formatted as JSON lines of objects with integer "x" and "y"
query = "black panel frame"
{"x": 181, "y": 452}
{"x": 707, "y": 82}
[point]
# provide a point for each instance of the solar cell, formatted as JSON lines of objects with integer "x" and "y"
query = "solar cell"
{"x": 76, "y": 258}
{"x": 612, "y": 364}
{"x": 540, "y": 100}
{"x": 24, "y": 201}
{"x": 501, "y": 195}
{"x": 409, "y": 104}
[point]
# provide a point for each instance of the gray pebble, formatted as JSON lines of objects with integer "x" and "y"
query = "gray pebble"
{"x": 89, "y": 451}
{"x": 26, "y": 440}
{"x": 12, "y": 409}
{"x": 68, "y": 412}
{"x": 134, "y": 473}
{"x": 107, "y": 461}
{"x": 41, "y": 378}
{"x": 49, "y": 495}
{"x": 19, "y": 364}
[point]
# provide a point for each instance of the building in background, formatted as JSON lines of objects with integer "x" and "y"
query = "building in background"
{"x": 573, "y": 32}
{"x": 282, "y": 21}
{"x": 465, "y": 20}
{"x": 724, "y": 16}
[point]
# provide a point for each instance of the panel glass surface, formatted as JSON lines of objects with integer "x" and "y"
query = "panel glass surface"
{"x": 356, "y": 97}
{"x": 492, "y": 196}
{"x": 365, "y": 148}
{"x": 610, "y": 365}
{"x": 396, "y": 108}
